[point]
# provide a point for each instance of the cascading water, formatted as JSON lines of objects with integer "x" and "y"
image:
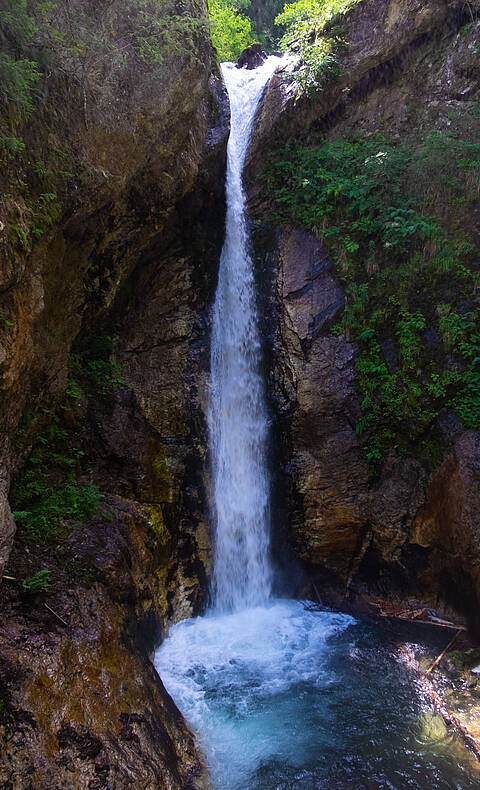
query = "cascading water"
{"x": 237, "y": 414}
{"x": 282, "y": 696}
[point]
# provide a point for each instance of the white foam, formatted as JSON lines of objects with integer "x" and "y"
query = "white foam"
{"x": 239, "y": 679}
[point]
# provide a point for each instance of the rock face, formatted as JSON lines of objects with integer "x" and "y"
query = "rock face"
{"x": 334, "y": 513}
{"x": 405, "y": 531}
{"x": 251, "y": 57}
{"x": 385, "y": 38}
{"x": 131, "y": 179}
{"x": 82, "y": 704}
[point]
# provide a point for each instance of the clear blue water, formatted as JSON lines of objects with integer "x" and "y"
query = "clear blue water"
{"x": 289, "y": 699}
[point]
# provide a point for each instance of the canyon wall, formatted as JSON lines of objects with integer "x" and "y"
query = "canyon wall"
{"x": 112, "y": 218}
{"x": 380, "y": 470}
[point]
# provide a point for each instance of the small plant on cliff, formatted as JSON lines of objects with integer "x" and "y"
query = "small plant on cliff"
{"x": 44, "y": 508}
{"x": 17, "y": 78}
{"x": 17, "y": 75}
{"x": 37, "y": 583}
{"x": 306, "y": 23}
{"x": 319, "y": 65}
{"x": 48, "y": 491}
{"x": 93, "y": 364}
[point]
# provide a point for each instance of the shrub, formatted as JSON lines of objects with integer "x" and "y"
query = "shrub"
{"x": 306, "y": 23}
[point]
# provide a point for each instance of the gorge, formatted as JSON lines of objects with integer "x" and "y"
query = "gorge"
{"x": 281, "y": 693}
{"x": 183, "y": 441}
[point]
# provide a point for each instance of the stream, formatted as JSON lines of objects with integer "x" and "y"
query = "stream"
{"x": 283, "y": 695}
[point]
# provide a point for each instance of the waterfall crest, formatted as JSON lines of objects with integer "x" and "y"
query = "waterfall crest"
{"x": 237, "y": 415}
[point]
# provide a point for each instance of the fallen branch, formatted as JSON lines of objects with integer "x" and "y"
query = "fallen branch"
{"x": 439, "y": 658}
{"x": 431, "y": 622}
{"x": 9, "y": 578}
{"x": 317, "y": 594}
{"x": 55, "y": 614}
{"x": 447, "y": 716}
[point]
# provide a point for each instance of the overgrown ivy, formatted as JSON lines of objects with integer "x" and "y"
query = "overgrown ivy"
{"x": 412, "y": 282}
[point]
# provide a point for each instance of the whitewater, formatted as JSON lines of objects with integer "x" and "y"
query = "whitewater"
{"x": 281, "y": 694}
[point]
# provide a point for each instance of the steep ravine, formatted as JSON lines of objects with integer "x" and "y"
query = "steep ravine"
{"x": 407, "y": 526}
{"x": 111, "y": 224}
{"x": 112, "y": 221}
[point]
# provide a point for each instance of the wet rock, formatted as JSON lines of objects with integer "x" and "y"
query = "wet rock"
{"x": 91, "y": 711}
{"x": 252, "y": 57}
{"x": 448, "y": 523}
{"x": 133, "y": 257}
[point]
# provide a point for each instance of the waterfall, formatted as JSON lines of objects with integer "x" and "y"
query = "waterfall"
{"x": 238, "y": 422}
{"x": 281, "y": 694}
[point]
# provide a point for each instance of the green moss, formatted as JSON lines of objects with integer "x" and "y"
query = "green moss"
{"x": 465, "y": 659}
{"x": 162, "y": 477}
{"x": 393, "y": 216}
{"x": 157, "y": 524}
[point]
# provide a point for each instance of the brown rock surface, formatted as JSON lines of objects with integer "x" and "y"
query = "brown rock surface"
{"x": 82, "y": 705}
{"x": 385, "y": 38}
{"x": 407, "y": 68}
{"x": 401, "y": 534}
{"x": 131, "y": 257}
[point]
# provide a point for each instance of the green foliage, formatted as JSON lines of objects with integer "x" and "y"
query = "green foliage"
{"x": 304, "y": 16}
{"x": 10, "y": 147}
{"x": 44, "y": 212}
{"x": 16, "y": 20}
{"x": 306, "y": 23}
{"x": 93, "y": 365}
{"x": 231, "y": 30}
{"x": 263, "y": 14}
{"x": 377, "y": 206}
{"x": 18, "y": 237}
{"x": 173, "y": 35}
{"x": 37, "y": 583}
{"x": 319, "y": 65}
{"x": 17, "y": 78}
{"x": 48, "y": 492}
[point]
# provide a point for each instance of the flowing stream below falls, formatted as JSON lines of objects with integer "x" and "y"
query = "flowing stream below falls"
{"x": 280, "y": 695}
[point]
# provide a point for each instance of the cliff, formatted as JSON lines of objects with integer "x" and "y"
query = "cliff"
{"x": 364, "y": 195}
{"x": 113, "y": 136}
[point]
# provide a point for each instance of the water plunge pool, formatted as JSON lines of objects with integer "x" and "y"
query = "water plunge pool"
{"x": 284, "y": 698}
